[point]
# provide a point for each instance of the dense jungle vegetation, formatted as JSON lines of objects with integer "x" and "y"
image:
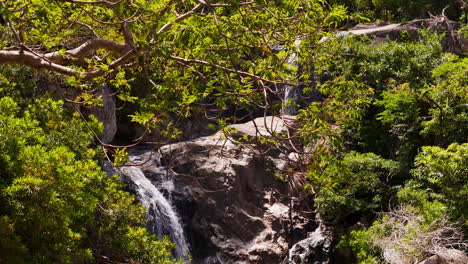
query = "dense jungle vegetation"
{"x": 386, "y": 151}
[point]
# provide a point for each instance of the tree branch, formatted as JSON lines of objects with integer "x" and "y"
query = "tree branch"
{"x": 84, "y": 25}
{"x": 32, "y": 60}
{"x": 51, "y": 61}
{"x": 113, "y": 65}
{"x": 98, "y": 2}
{"x": 90, "y": 46}
{"x": 225, "y": 5}
{"x": 178, "y": 19}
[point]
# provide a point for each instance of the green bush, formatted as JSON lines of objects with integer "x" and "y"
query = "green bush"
{"x": 432, "y": 208}
{"x": 445, "y": 172}
{"x": 401, "y": 115}
{"x": 447, "y": 119}
{"x": 57, "y": 205}
{"x": 384, "y": 65}
{"x": 358, "y": 186}
{"x": 406, "y": 236}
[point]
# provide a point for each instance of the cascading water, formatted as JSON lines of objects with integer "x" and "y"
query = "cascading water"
{"x": 290, "y": 92}
{"x": 162, "y": 218}
{"x": 290, "y": 97}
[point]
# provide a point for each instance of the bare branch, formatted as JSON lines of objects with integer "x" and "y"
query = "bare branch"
{"x": 178, "y": 19}
{"x": 32, "y": 60}
{"x": 37, "y": 61}
{"x": 90, "y": 46}
{"x": 85, "y": 25}
{"x": 224, "y": 5}
{"x": 443, "y": 11}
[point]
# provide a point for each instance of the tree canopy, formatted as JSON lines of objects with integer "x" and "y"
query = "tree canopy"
{"x": 183, "y": 50}
{"x": 388, "y": 129}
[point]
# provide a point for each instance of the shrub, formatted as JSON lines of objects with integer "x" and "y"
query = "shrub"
{"x": 404, "y": 236}
{"x": 56, "y": 204}
{"x": 357, "y": 185}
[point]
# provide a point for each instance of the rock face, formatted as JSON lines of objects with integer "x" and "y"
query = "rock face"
{"x": 106, "y": 114}
{"x": 434, "y": 260}
{"x": 239, "y": 211}
{"x": 316, "y": 248}
{"x": 232, "y": 207}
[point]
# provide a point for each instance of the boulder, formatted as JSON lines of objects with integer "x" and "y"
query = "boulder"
{"x": 434, "y": 260}
{"x": 316, "y": 248}
{"x": 235, "y": 209}
{"x": 447, "y": 256}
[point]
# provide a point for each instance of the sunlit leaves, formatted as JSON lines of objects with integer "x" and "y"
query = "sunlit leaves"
{"x": 120, "y": 156}
{"x": 448, "y": 98}
{"x": 343, "y": 109}
{"x": 52, "y": 190}
{"x": 446, "y": 172}
{"x": 357, "y": 183}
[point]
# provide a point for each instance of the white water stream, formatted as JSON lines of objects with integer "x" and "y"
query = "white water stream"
{"x": 290, "y": 92}
{"x": 162, "y": 218}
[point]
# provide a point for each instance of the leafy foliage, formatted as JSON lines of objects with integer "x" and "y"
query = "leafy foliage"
{"x": 357, "y": 184}
{"x": 426, "y": 223}
{"x": 53, "y": 191}
{"x": 383, "y": 65}
{"x": 448, "y": 114}
{"x": 406, "y": 236}
{"x": 398, "y": 10}
{"x": 412, "y": 95}
{"x": 391, "y": 109}
{"x": 445, "y": 172}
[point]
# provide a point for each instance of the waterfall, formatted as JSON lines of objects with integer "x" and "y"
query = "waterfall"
{"x": 290, "y": 98}
{"x": 162, "y": 218}
{"x": 290, "y": 92}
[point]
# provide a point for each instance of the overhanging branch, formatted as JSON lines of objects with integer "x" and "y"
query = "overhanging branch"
{"x": 178, "y": 19}
{"x": 32, "y": 60}
{"x": 53, "y": 61}
{"x": 90, "y": 46}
